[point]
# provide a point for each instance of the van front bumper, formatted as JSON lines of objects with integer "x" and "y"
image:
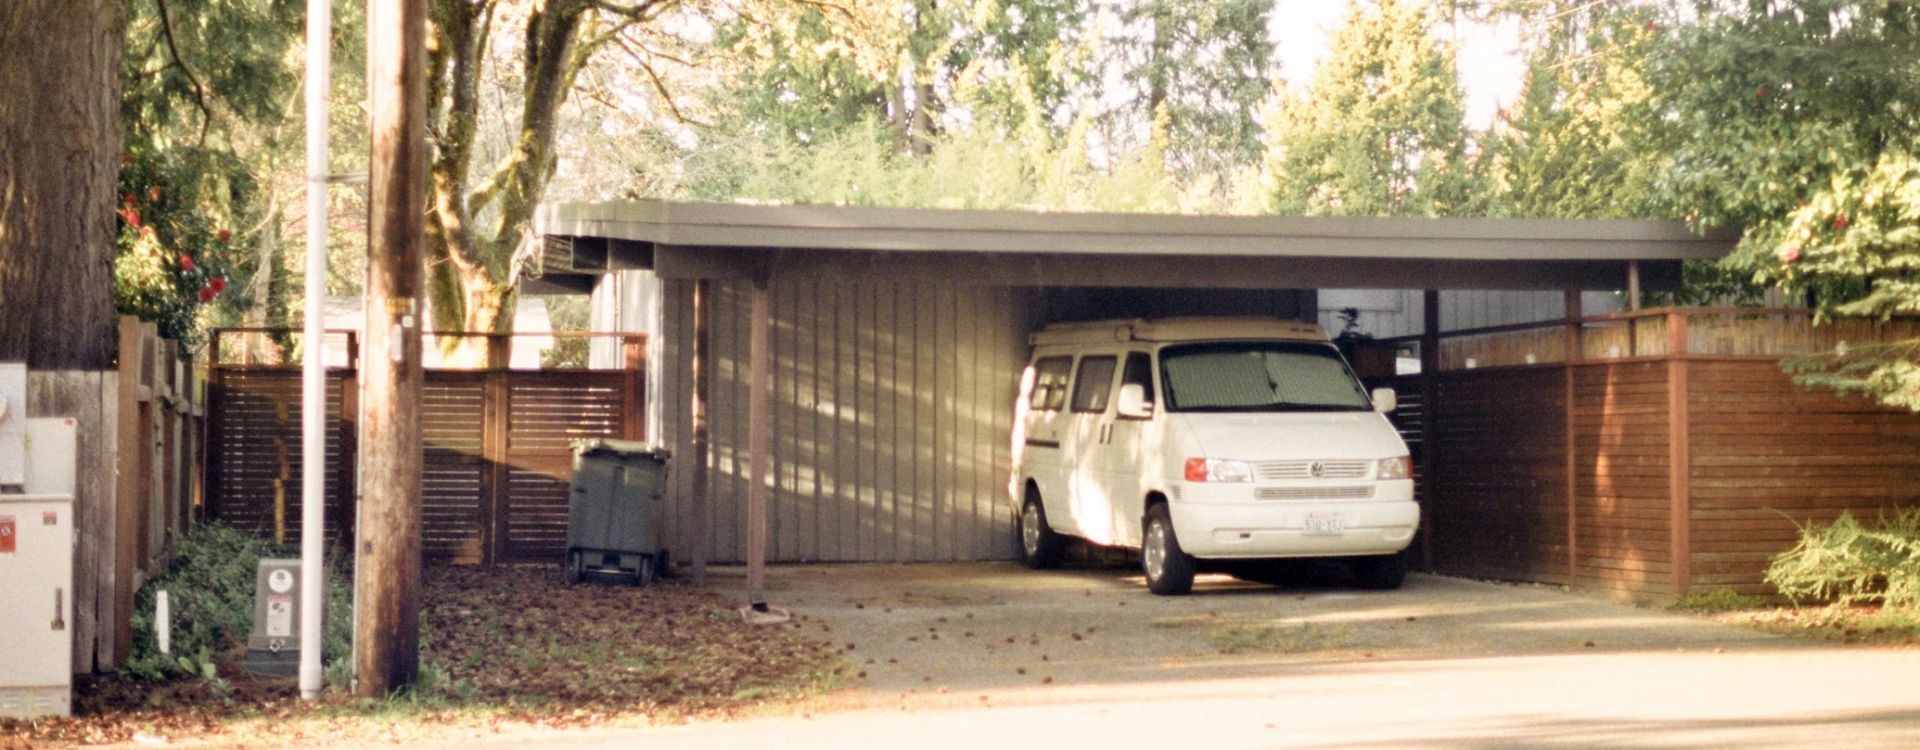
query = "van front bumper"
{"x": 1281, "y": 529}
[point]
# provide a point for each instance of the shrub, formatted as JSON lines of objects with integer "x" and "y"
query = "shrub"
{"x": 210, "y": 589}
{"x": 1846, "y": 563}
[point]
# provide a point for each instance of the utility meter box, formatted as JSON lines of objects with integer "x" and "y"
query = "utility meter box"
{"x": 36, "y": 574}
{"x": 274, "y": 646}
{"x": 13, "y": 426}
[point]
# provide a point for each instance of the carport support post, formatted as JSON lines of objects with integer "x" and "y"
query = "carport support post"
{"x": 759, "y": 441}
{"x": 1429, "y": 372}
{"x": 702, "y": 294}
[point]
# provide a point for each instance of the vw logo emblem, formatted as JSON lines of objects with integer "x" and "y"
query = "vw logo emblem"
{"x": 1318, "y": 470}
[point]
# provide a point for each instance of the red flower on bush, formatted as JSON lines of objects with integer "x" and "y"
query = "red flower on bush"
{"x": 206, "y": 294}
{"x": 223, "y": 235}
{"x": 1790, "y": 255}
{"x": 1840, "y": 222}
{"x": 186, "y": 262}
{"x": 130, "y": 215}
{"x": 218, "y": 284}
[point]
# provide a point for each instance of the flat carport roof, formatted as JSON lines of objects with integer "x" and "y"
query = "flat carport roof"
{"x": 1040, "y": 249}
{"x": 1037, "y": 248}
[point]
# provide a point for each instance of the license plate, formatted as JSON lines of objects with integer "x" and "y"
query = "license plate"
{"x": 1324, "y": 524}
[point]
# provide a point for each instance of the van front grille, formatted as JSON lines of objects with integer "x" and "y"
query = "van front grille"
{"x": 1363, "y": 492}
{"x": 1344, "y": 469}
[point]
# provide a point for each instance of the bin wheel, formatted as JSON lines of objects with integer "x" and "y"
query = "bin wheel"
{"x": 662, "y": 566}
{"x": 576, "y": 565}
{"x": 643, "y": 574}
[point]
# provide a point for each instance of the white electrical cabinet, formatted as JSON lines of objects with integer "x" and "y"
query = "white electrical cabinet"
{"x": 36, "y": 576}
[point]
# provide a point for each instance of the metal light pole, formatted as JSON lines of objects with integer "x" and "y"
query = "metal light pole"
{"x": 313, "y": 381}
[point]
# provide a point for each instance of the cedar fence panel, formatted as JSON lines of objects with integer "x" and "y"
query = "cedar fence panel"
{"x": 1687, "y": 458}
{"x": 496, "y": 463}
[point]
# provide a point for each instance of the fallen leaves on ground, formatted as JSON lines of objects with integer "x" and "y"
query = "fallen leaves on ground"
{"x": 499, "y": 644}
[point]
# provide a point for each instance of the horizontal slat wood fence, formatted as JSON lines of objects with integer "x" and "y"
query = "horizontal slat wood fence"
{"x": 496, "y": 466}
{"x": 1672, "y": 456}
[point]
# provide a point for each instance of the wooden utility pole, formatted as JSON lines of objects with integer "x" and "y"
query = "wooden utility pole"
{"x": 386, "y": 627}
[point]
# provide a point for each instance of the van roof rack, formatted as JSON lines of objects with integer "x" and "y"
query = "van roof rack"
{"x": 1177, "y": 329}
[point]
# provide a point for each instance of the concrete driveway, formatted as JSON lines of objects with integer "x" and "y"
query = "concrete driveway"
{"x": 966, "y": 627}
{"x": 954, "y": 656}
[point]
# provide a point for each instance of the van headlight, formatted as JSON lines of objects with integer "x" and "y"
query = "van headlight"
{"x": 1218, "y": 470}
{"x": 1398, "y": 467}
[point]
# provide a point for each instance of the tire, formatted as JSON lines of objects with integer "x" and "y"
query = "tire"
{"x": 575, "y": 566}
{"x": 1380, "y": 573}
{"x": 1040, "y": 548}
{"x": 1169, "y": 569}
{"x": 662, "y": 567}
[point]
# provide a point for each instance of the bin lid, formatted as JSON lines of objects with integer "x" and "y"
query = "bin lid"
{"x": 624, "y": 448}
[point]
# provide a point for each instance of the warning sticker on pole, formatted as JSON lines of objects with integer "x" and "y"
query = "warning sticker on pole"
{"x": 279, "y": 616}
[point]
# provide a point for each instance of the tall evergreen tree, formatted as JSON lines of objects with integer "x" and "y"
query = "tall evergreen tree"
{"x": 1379, "y": 132}
{"x": 1577, "y": 143}
{"x": 1203, "y": 69}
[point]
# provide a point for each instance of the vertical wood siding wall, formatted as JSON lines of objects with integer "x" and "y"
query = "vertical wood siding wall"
{"x": 893, "y": 404}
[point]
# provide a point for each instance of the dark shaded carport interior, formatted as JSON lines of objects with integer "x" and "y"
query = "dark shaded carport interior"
{"x": 1096, "y": 265}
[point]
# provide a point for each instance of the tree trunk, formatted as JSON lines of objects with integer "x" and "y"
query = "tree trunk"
{"x": 59, "y": 162}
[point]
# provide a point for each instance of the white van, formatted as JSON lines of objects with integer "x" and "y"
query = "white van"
{"x": 1208, "y": 439}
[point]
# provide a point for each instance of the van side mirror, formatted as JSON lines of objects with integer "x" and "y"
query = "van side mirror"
{"x": 1385, "y": 400}
{"x": 1133, "y": 402}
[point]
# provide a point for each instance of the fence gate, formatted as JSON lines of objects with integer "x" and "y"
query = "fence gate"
{"x": 496, "y": 462}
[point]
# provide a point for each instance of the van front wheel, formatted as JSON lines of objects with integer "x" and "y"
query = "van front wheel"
{"x": 1040, "y": 548}
{"x": 1169, "y": 569}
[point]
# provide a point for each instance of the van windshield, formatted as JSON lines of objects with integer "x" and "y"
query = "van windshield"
{"x": 1258, "y": 376}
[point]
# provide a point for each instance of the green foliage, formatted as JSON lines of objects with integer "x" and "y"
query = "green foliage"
{"x": 567, "y": 314}
{"x": 1379, "y": 132}
{"x": 1194, "y": 74}
{"x": 210, "y": 589}
{"x": 196, "y": 74}
{"x": 1800, "y": 122}
{"x": 970, "y": 169}
{"x": 1717, "y": 600}
{"x": 1577, "y": 144}
{"x": 209, "y": 585}
{"x": 1846, "y": 563}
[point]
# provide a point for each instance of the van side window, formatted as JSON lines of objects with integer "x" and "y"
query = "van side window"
{"x": 1139, "y": 371}
{"x": 1050, "y": 383}
{"x": 1094, "y": 383}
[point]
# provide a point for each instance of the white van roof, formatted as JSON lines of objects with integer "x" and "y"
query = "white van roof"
{"x": 1177, "y": 329}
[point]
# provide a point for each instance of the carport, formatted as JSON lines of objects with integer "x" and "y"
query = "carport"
{"x": 872, "y": 356}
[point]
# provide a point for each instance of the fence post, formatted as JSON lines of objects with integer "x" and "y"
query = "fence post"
{"x": 1572, "y": 354}
{"x": 634, "y": 360}
{"x": 1679, "y": 455}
